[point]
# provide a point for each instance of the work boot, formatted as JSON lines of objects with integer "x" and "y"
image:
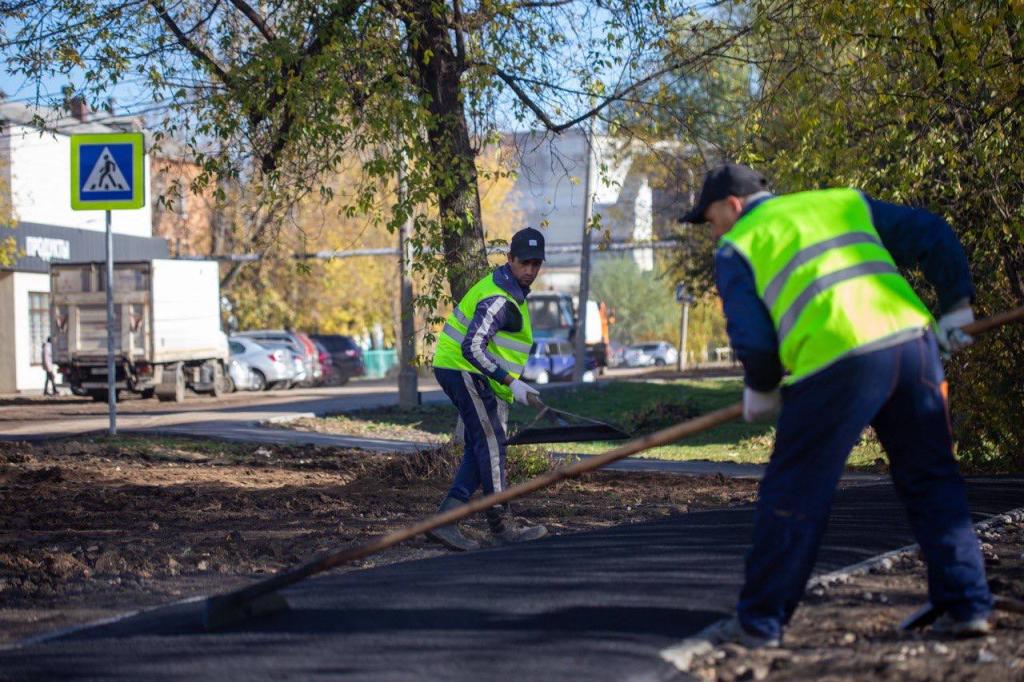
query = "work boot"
{"x": 450, "y": 536}
{"x": 505, "y": 530}
{"x": 972, "y": 627}
{"x": 731, "y": 631}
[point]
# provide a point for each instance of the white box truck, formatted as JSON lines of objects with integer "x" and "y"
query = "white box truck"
{"x": 167, "y": 327}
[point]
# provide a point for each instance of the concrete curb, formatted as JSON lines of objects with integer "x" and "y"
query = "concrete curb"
{"x": 682, "y": 655}
{"x": 287, "y": 418}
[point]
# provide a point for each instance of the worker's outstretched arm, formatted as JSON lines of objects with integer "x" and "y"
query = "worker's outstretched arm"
{"x": 918, "y": 238}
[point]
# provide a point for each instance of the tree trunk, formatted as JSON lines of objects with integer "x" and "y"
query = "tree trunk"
{"x": 453, "y": 158}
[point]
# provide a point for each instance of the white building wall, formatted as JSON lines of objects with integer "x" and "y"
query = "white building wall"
{"x": 8, "y": 337}
{"x": 643, "y": 225}
{"x": 41, "y": 186}
{"x": 29, "y": 377}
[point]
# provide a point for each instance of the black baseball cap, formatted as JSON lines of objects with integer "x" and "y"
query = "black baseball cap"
{"x": 527, "y": 244}
{"x": 730, "y": 179}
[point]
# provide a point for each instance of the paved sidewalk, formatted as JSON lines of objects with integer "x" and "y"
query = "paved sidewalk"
{"x": 591, "y": 606}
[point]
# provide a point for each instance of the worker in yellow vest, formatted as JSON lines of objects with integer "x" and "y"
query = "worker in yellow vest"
{"x": 815, "y": 302}
{"x": 481, "y": 353}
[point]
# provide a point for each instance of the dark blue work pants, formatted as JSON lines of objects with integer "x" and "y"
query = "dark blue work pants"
{"x": 901, "y": 392}
{"x": 483, "y": 458}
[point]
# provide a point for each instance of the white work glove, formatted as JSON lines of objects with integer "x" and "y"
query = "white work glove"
{"x": 948, "y": 333}
{"x": 760, "y": 407}
{"x": 521, "y": 391}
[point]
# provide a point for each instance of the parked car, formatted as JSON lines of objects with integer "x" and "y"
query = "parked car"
{"x": 240, "y": 376}
{"x": 554, "y": 361}
{"x": 293, "y": 342}
{"x": 346, "y": 356}
{"x": 659, "y": 353}
{"x": 316, "y": 377}
{"x": 295, "y": 360}
{"x": 271, "y": 367}
{"x": 328, "y": 373}
{"x": 616, "y": 354}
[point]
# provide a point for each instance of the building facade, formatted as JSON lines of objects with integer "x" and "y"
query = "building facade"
{"x": 184, "y": 218}
{"x": 35, "y": 183}
{"x": 549, "y": 193}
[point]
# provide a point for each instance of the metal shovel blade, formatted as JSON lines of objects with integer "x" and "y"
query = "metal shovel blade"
{"x": 567, "y": 434}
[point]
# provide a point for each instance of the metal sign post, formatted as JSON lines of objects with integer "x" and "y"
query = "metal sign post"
{"x": 107, "y": 174}
{"x": 111, "y": 373}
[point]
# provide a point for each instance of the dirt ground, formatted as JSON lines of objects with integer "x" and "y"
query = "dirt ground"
{"x": 849, "y": 631}
{"x": 91, "y": 529}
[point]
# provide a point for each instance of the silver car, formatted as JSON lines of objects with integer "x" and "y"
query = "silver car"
{"x": 276, "y": 338}
{"x": 270, "y": 366}
{"x": 240, "y": 375}
{"x": 660, "y": 353}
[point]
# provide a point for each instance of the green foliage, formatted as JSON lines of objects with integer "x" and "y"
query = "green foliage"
{"x": 644, "y": 303}
{"x": 646, "y": 309}
{"x": 274, "y": 95}
{"x": 8, "y": 248}
{"x": 916, "y": 103}
{"x": 527, "y": 461}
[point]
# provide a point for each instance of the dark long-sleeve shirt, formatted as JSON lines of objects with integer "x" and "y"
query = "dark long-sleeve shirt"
{"x": 912, "y": 236}
{"x": 493, "y": 314}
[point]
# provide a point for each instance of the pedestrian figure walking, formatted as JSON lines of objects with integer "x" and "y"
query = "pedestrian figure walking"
{"x": 479, "y": 358}
{"x": 50, "y": 385}
{"x": 814, "y": 301}
{"x": 107, "y": 174}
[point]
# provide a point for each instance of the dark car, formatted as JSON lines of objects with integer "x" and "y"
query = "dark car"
{"x": 346, "y": 356}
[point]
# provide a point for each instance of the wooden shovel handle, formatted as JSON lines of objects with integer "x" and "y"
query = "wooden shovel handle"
{"x": 989, "y": 323}
{"x": 382, "y": 542}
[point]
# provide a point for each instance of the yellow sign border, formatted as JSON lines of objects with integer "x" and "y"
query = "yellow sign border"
{"x": 138, "y": 200}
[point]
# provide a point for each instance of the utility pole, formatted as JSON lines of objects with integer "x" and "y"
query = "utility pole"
{"x": 579, "y": 356}
{"x": 408, "y": 381}
{"x": 686, "y": 298}
{"x": 683, "y": 329}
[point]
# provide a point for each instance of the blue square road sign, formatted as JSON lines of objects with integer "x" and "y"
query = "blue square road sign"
{"x": 107, "y": 171}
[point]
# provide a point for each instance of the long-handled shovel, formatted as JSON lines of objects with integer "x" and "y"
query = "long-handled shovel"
{"x": 259, "y": 598}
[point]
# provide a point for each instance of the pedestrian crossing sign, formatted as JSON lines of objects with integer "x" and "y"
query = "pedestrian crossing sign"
{"x": 107, "y": 171}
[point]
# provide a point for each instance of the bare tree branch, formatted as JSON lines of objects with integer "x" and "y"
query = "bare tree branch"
{"x": 513, "y": 83}
{"x": 460, "y": 39}
{"x": 186, "y": 42}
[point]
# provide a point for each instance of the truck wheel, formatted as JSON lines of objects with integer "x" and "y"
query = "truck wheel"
{"x": 219, "y": 381}
{"x": 173, "y": 390}
{"x": 148, "y": 393}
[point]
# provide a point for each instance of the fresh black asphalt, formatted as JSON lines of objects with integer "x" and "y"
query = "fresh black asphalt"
{"x": 599, "y": 605}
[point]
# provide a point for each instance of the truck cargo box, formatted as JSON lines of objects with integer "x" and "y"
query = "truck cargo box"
{"x": 164, "y": 310}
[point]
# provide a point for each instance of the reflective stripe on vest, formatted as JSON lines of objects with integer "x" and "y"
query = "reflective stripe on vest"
{"x": 498, "y": 340}
{"x": 829, "y": 284}
{"x": 510, "y": 367}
